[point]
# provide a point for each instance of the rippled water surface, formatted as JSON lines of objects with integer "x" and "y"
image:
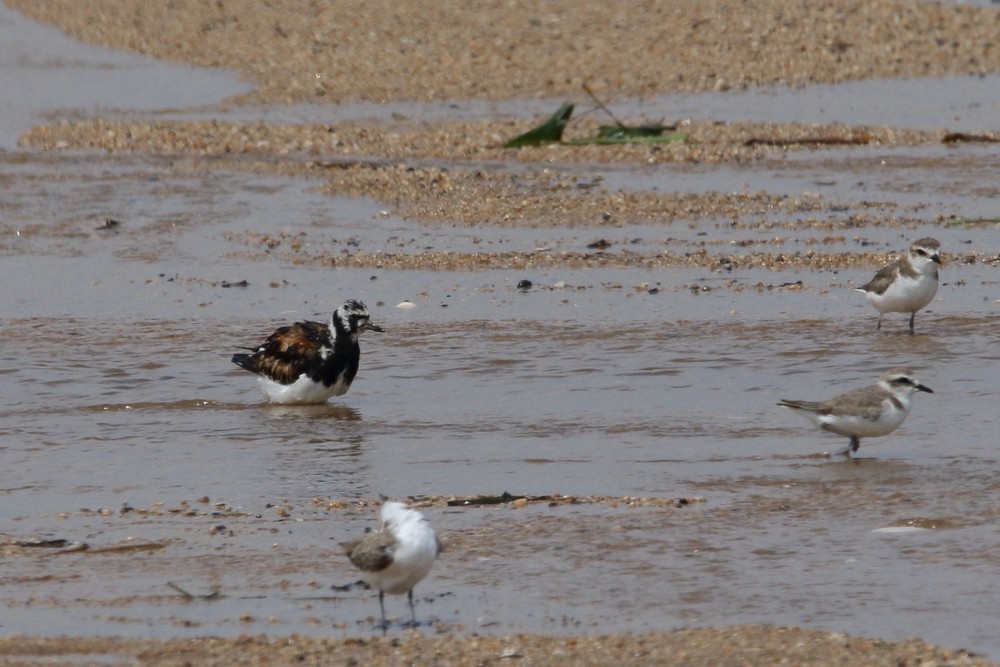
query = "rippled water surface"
{"x": 125, "y": 428}
{"x": 123, "y": 422}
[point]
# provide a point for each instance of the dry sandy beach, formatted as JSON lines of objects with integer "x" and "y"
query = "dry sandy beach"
{"x": 425, "y": 50}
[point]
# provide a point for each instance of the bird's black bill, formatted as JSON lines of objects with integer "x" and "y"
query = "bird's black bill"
{"x": 921, "y": 387}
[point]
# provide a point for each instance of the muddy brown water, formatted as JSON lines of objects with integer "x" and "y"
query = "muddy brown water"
{"x": 124, "y": 427}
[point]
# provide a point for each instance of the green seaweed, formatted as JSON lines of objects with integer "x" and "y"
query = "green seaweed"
{"x": 955, "y": 222}
{"x": 214, "y": 595}
{"x": 629, "y": 138}
{"x": 549, "y": 132}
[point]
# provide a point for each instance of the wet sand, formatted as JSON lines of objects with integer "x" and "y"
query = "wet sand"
{"x": 415, "y": 52}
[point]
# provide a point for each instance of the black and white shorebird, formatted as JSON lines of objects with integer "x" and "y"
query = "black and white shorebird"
{"x": 397, "y": 556}
{"x": 308, "y": 362}
{"x": 908, "y": 284}
{"x": 864, "y": 413}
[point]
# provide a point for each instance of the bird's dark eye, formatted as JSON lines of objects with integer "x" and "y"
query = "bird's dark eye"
{"x": 921, "y": 251}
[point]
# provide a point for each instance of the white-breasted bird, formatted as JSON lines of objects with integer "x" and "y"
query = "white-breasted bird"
{"x": 908, "y": 284}
{"x": 864, "y": 413}
{"x": 309, "y": 362}
{"x": 397, "y": 555}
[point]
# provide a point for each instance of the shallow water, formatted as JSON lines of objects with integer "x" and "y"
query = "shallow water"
{"x": 48, "y": 75}
{"x": 124, "y": 426}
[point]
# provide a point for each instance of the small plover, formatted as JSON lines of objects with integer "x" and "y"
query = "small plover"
{"x": 308, "y": 362}
{"x": 864, "y": 413}
{"x": 908, "y": 284}
{"x": 397, "y": 556}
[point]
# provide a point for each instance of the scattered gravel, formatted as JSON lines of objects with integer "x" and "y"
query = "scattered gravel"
{"x": 711, "y": 647}
{"x": 298, "y": 51}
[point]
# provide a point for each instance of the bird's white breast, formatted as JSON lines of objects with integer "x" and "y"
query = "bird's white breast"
{"x": 412, "y": 559}
{"x": 303, "y": 390}
{"x": 905, "y": 294}
{"x": 891, "y": 417}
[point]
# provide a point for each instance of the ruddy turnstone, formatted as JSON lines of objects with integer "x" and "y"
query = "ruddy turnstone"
{"x": 908, "y": 284}
{"x": 864, "y": 413}
{"x": 308, "y": 362}
{"x": 397, "y": 556}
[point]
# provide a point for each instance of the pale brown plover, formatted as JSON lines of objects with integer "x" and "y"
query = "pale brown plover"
{"x": 397, "y": 556}
{"x": 863, "y": 413}
{"x": 308, "y": 362}
{"x": 908, "y": 284}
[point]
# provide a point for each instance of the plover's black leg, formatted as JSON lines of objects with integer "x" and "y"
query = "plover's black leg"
{"x": 852, "y": 446}
{"x": 381, "y": 605}
{"x": 413, "y": 613}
